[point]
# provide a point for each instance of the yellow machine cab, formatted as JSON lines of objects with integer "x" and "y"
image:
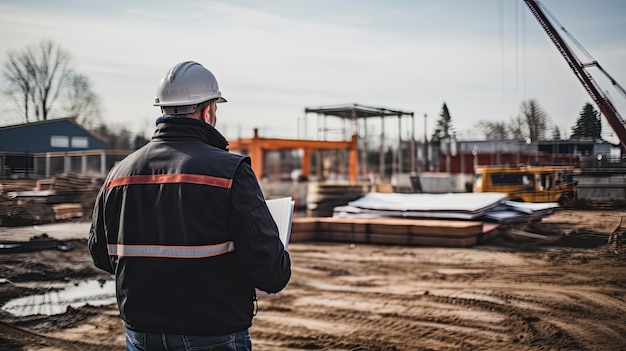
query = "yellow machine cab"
{"x": 528, "y": 183}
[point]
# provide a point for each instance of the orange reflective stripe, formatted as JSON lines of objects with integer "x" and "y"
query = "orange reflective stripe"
{"x": 121, "y": 250}
{"x": 171, "y": 178}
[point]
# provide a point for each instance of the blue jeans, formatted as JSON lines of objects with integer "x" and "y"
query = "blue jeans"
{"x": 139, "y": 341}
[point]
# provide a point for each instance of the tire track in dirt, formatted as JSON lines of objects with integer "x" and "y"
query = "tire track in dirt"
{"x": 39, "y": 341}
{"x": 401, "y": 317}
{"x": 408, "y": 299}
{"x": 430, "y": 318}
{"x": 366, "y": 297}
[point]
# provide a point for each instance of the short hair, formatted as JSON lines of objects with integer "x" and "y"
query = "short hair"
{"x": 186, "y": 110}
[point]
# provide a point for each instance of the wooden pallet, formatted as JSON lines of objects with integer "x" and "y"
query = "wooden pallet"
{"x": 449, "y": 233}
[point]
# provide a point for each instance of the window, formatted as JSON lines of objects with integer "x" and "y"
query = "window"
{"x": 59, "y": 141}
{"x": 80, "y": 142}
{"x": 509, "y": 179}
{"x": 478, "y": 182}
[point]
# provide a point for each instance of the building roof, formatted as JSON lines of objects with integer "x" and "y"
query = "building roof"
{"x": 53, "y": 135}
{"x": 355, "y": 111}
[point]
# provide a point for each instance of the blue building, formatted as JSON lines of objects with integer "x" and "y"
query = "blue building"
{"x": 45, "y": 148}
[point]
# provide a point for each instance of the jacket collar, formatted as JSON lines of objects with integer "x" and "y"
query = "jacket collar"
{"x": 169, "y": 127}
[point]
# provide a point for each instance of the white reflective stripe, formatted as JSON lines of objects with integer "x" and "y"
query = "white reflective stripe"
{"x": 170, "y": 251}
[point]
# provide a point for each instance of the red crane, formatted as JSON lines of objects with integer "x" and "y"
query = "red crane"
{"x": 602, "y": 101}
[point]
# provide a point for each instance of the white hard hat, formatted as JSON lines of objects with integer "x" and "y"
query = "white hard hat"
{"x": 186, "y": 85}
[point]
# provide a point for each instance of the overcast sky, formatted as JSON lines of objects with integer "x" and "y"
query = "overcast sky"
{"x": 274, "y": 58}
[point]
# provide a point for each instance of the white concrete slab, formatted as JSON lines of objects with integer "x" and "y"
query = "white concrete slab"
{"x": 59, "y": 231}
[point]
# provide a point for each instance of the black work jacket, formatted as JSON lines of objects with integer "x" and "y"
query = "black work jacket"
{"x": 183, "y": 225}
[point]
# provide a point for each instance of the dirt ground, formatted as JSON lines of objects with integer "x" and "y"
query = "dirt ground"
{"x": 553, "y": 285}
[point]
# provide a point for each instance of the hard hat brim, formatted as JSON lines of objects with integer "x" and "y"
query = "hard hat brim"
{"x": 177, "y": 103}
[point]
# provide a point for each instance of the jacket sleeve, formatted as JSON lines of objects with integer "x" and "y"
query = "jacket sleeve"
{"x": 97, "y": 238}
{"x": 257, "y": 244}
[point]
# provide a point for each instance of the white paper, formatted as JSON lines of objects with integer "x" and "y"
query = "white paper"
{"x": 282, "y": 212}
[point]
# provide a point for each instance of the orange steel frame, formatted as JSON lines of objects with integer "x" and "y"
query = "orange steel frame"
{"x": 256, "y": 146}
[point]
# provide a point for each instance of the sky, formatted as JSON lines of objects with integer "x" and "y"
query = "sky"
{"x": 274, "y": 58}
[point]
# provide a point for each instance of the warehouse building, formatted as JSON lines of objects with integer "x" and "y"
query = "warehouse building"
{"x": 45, "y": 148}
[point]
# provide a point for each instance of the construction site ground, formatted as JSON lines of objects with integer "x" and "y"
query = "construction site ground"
{"x": 552, "y": 285}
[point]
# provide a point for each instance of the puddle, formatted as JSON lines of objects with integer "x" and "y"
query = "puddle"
{"x": 91, "y": 292}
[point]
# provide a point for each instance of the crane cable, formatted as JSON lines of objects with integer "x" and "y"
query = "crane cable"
{"x": 593, "y": 62}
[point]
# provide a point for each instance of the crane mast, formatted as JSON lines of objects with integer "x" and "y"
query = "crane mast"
{"x": 601, "y": 100}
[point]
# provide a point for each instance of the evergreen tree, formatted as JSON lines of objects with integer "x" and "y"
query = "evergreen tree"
{"x": 444, "y": 125}
{"x": 588, "y": 124}
{"x": 556, "y": 133}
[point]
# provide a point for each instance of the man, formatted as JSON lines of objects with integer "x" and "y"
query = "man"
{"x": 183, "y": 225}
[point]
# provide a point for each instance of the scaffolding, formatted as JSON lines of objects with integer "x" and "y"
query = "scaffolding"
{"x": 358, "y": 115}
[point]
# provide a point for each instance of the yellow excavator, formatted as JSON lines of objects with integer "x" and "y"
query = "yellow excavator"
{"x": 528, "y": 183}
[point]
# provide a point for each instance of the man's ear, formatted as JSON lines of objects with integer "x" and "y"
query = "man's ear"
{"x": 206, "y": 114}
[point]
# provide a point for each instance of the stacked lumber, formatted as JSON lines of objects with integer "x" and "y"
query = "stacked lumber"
{"x": 83, "y": 188}
{"x": 396, "y": 231}
{"x": 303, "y": 229}
{"x": 67, "y": 210}
{"x": 23, "y": 212}
{"x": 322, "y": 198}
{"x": 44, "y": 184}
{"x": 71, "y": 183}
{"x": 65, "y": 196}
{"x": 11, "y": 185}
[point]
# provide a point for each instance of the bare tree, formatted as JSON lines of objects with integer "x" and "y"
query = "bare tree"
{"x": 494, "y": 130}
{"x": 517, "y": 128}
{"x": 20, "y": 74}
{"x": 530, "y": 124}
{"x": 38, "y": 74}
{"x": 536, "y": 120}
{"x": 117, "y": 136}
{"x": 81, "y": 102}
